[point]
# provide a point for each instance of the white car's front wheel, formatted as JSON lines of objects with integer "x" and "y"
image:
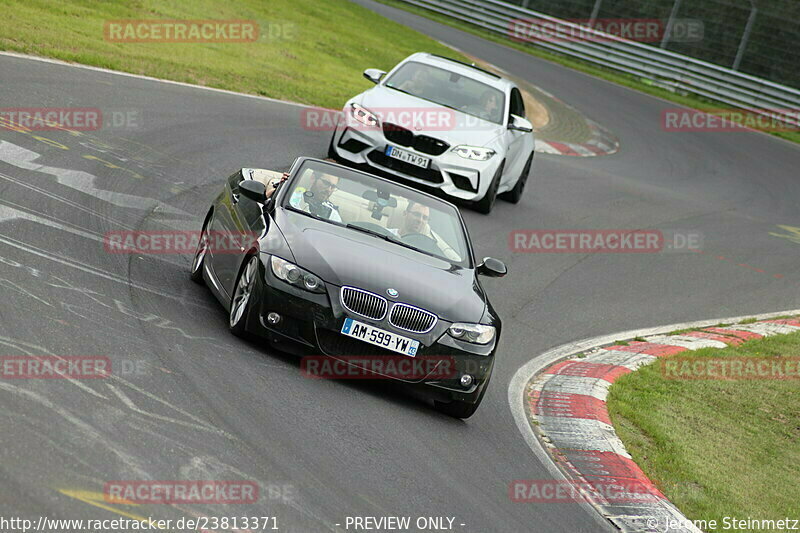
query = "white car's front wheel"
{"x": 331, "y": 150}
{"x": 515, "y": 194}
{"x": 486, "y": 204}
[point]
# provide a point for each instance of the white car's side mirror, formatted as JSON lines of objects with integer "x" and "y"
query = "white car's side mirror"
{"x": 374, "y": 75}
{"x": 520, "y": 124}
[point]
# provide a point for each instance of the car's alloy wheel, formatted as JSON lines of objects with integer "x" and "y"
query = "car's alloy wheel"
{"x": 515, "y": 194}
{"x": 240, "y": 304}
{"x": 486, "y": 204}
{"x": 196, "y": 272}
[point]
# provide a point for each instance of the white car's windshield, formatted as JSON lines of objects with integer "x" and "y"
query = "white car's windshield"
{"x": 383, "y": 209}
{"x": 449, "y": 89}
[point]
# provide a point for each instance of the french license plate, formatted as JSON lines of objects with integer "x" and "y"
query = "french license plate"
{"x": 408, "y": 157}
{"x": 378, "y": 337}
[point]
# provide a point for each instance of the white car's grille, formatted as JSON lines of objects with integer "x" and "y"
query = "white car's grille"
{"x": 421, "y": 143}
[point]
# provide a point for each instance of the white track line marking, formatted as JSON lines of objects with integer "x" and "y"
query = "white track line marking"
{"x": 148, "y": 78}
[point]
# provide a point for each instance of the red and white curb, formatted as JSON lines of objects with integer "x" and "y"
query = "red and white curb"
{"x": 559, "y": 404}
{"x": 602, "y": 142}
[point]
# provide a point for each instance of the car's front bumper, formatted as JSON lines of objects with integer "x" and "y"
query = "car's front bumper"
{"x": 454, "y": 175}
{"x": 310, "y": 325}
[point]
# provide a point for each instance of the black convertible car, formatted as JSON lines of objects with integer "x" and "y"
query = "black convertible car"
{"x": 345, "y": 266}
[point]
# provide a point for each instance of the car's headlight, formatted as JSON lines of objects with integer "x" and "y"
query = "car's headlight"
{"x": 474, "y": 152}
{"x": 364, "y": 116}
{"x": 474, "y": 333}
{"x": 293, "y": 274}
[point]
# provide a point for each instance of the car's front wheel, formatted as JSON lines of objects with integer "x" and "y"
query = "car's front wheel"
{"x": 486, "y": 204}
{"x": 515, "y": 194}
{"x": 331, "y": 149}
{"x": 196, "y": 272}
{"x": 242, "y": 296}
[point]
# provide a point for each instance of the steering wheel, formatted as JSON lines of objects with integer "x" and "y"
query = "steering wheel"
{"x": 421, "y": 241}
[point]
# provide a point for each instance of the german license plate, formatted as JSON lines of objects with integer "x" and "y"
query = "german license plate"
{"x": 378, "y": 337}
{"x": 408, "y": 157}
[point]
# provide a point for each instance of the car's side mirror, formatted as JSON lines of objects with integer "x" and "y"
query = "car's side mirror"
{"x": 519, "y": 123}
{"x": 494, "y": 268}
{"x": 374, "y": 75}
{"x": 254, "y": 190}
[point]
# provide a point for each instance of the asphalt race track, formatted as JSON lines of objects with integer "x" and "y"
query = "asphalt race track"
{"x": 204, "y": 403}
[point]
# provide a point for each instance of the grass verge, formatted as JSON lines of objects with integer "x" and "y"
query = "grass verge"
{"x": 613, "y": 76}
{"x": 717, "y": 448}
{"x": 309, "y": 51}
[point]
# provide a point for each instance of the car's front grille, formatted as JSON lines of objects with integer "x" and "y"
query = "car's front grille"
{"x": 412, "y": 318}
{"x": 397, "y": 134}
{"x": 364, "y": 303}
{"x": 405, "y": 137}
{"x": 427, "y": 174}
{"x": 429, "y": 145}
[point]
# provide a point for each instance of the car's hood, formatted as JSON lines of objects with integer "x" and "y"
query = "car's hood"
{"x": 342, "y": 256}
{"x": 453, "y": 126}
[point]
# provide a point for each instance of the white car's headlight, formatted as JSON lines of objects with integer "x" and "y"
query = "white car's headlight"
{"x": 363, "y": 115}
{"x": 474, "y": 152}
{"x": 293, "y": 274}
{"x": 474, "y": 333}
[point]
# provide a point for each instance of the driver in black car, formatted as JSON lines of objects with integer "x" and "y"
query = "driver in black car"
{"x": 415, "y": 220}
{"x": 414, "y": 230}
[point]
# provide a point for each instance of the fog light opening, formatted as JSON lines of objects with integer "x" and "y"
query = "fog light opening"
{"x": 466, "y": 381}
{"x": 273, "y": 318}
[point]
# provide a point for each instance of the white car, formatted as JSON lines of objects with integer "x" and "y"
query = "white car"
{"x": 440, "y": 123}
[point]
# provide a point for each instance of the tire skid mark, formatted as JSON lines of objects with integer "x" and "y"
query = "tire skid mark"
{"x": 80, "y": 180}
{"x": 84, "y": 267}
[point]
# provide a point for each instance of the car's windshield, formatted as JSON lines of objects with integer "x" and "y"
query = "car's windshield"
{"x": 367, "y": 204}
{"x": 449, "y": 89}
